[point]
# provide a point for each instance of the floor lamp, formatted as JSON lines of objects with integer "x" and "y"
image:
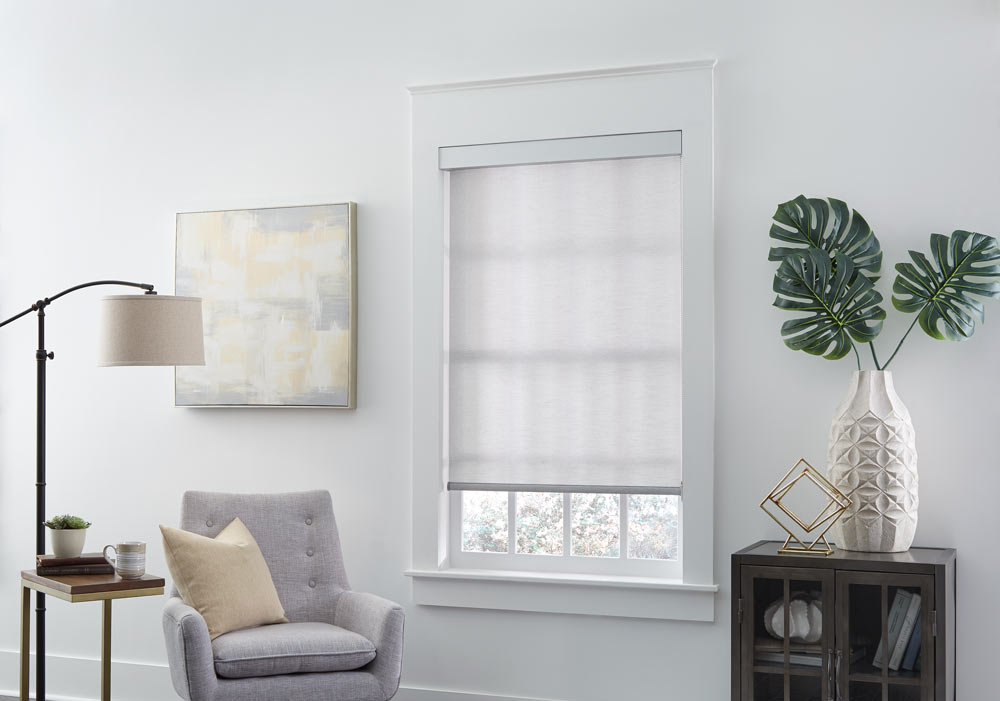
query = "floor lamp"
{"x": 143, "y": 329}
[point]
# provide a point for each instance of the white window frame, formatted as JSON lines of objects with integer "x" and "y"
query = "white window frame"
{"x": 566, "y": 562}
{"x": 667, "y": 97}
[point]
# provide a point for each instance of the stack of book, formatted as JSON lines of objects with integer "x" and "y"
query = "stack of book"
{"x": 772, "y": 651}
{"x": 904, "y": 634}
{"x": 87, "y": 563}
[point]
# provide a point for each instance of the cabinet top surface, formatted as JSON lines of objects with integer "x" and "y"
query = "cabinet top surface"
{"x": 841, "y": 558}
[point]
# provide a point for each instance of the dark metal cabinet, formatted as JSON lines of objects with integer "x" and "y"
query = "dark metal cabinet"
{"x": 840, "y": 607}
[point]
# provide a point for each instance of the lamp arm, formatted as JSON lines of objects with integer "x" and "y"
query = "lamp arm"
{"x": 42, "y": 303}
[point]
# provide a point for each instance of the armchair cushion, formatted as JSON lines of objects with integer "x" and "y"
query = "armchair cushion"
{"x": 289, "y": 648}
{"x": 225, "y": 578}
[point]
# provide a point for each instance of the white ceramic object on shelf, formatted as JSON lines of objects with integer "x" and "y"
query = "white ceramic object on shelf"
{"x": 68, "y": 542}
{"x": 805, "y": 619}
{"x": 872, "y": 458}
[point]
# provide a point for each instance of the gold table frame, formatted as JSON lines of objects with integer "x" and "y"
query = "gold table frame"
{"x": 77, "y": 588}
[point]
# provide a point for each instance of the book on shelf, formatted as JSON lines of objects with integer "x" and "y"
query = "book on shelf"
{"x": 905, "y": 632}
{"x": 913, "y": 647}
{"x": 75, "y": 569}
{"x": 804, "y": 659}
{"x": 84, "y": 559}
{"x": 897, "y": 614}
{"x": 769, "y": 644}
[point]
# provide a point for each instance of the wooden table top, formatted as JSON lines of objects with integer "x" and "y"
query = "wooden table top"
{"x": 92, "y": 587}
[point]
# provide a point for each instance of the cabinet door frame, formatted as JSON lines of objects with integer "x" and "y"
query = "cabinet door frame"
{"x": 884, "y": 580}
{"x": 825, "y": 577}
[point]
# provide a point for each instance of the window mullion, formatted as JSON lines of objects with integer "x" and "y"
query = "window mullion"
{"x": 511, "y": 522}
{"x": 567, "y": 504}
{"x": 623, "y": 526}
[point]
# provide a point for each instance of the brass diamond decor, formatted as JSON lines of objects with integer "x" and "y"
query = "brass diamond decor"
{"x": 809, "y": 534}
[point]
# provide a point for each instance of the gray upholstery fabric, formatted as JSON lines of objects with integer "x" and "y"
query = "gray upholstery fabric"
{"x": 289, "y": 648}
{"x": 297, "y": 534}
{"x": 381, "y": 621}
{"x": 189, "y": 651}
{"x": 334, "y": 686}
{"x": 287, "y": 527}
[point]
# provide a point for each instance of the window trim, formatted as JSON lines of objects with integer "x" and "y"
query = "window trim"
{"x": 621, "y": 566}
{"x": 665, "y": 97}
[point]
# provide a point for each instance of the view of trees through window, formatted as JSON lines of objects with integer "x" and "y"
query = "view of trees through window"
{"x": 594, "y": 523}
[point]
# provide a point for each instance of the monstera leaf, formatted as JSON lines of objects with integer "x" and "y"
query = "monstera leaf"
{"x": 829, "y": 225}
{"x": 840, "y": 304}
{"x": 942, "y": 291}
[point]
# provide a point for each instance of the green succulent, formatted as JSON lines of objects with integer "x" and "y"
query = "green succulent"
{"x": 66, "y": 522}
{"x": 829, "y": 271}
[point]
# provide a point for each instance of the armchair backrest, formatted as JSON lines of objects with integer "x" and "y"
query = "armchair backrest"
{"x": 297, "y": 534}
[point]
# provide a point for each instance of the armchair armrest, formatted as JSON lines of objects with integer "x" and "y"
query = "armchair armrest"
{"x": 381, "y": 621}
{"x": 189, "y": 652}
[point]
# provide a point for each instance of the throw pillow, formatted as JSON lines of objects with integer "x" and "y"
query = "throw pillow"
{"x": 224, "y": 578}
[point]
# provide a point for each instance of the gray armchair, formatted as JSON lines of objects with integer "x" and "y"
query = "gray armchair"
{"x": 338, "y": 644}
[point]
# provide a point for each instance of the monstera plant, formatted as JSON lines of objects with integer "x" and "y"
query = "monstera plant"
{"x": 828, "y": 266}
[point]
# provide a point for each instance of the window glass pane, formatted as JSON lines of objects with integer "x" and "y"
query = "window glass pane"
{"x": 596, "y": 525}
{"x": 652, "y": 526}
{"x": 539, "y": 523}
{"x": 484, "y": 522}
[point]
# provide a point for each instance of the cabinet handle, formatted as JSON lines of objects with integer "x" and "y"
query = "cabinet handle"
{"x": 829, "y": 675}
{"x": 836, "y": 685}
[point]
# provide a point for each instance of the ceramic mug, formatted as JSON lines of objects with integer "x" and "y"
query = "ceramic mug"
{"x": 130, "y": 559}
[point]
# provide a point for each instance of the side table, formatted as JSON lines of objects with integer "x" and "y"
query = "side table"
{"x": 82, "y": 587}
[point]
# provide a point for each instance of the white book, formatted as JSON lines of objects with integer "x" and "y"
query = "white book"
{"x": 905, "y": 632}
{"x": 897, "y": 612}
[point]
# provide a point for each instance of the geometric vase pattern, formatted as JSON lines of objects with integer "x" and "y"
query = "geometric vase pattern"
{"x": 872, "y": 458}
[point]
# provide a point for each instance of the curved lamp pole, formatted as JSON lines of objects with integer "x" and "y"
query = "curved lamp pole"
{"x": 165, "y": 330}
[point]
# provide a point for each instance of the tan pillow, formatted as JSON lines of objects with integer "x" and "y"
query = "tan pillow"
{"x": 224, "y": 578}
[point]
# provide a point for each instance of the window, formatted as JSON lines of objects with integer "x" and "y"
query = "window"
{"x": 562, "y": 350}
{"x": 612, "y": 533}
{"x": 562, "y": 297}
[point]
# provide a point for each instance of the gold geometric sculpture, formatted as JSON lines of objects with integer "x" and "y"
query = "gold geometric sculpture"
{"x": 808, "y": 490}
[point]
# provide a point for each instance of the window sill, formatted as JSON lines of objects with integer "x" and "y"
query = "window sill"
{"x": 596, "y": 595}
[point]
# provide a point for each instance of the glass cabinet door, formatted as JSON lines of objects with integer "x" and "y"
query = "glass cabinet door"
{"x": 787, "y": 635}
{"x": 885, "y": 637}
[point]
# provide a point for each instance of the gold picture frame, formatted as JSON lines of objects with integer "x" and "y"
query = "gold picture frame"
{"x": 800, "y": 531}
{"x": 279, "y": 290}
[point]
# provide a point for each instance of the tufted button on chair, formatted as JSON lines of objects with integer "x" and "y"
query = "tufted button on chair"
{"x": 339, "y": 645}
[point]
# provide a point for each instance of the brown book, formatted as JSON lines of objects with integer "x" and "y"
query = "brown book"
{"x": 75, "y": 569}
{"x": 84, "y": 559}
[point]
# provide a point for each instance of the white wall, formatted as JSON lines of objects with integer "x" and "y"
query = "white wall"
{"x": 116, "y": 115}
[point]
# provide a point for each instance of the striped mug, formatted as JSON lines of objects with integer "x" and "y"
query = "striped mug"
{"x": 130, "y": 559}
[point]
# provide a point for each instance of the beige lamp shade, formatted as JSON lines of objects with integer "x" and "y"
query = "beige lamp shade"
{"x": 151, "y": 330}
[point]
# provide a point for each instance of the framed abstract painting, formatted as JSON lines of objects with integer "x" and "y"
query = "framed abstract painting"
{"x": 279, "y": 286}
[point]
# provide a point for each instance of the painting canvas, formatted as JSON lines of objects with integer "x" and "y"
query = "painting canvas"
{"x": 279, "y": 289}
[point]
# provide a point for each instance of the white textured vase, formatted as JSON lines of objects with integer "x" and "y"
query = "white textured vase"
{"x": 872, "y": 458}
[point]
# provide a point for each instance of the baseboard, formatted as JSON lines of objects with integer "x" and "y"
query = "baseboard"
{"x": 411, "y": 693}
{"x": 79, "y": 679}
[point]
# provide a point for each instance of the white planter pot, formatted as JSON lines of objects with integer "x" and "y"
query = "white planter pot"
{"x": 872, "y": 458}
{"x": 68, "y": 542}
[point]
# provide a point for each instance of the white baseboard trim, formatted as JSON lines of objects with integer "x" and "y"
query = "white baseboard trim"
{"x": 410, "y": 693}
{"x": 79, "y": 678}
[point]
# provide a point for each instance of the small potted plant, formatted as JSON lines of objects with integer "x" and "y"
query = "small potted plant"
{"x": 68, "y": 535}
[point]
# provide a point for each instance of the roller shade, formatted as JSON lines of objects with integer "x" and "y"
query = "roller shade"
{"x": 562, "y": 351}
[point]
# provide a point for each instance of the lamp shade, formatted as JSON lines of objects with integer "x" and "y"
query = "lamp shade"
{"x": 151, "y": 330}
